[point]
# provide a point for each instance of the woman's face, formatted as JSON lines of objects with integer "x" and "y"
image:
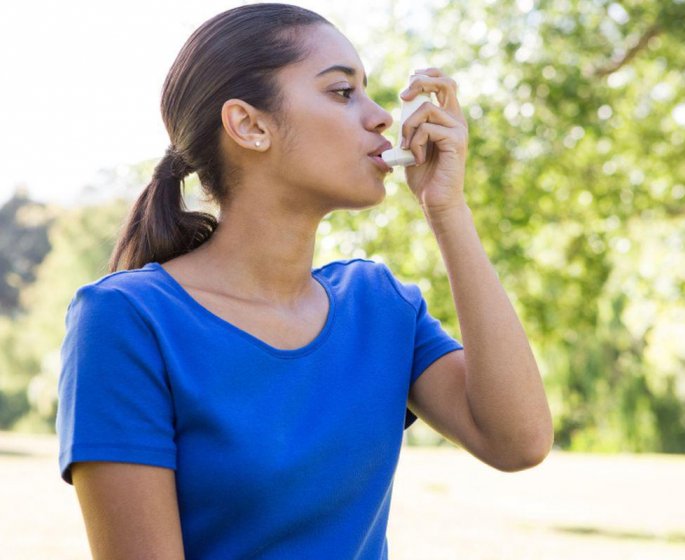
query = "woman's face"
{"x": 331, "y": 126}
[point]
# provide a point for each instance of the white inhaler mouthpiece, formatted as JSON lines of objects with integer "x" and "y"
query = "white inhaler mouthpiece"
{"x": 398, "y": 156}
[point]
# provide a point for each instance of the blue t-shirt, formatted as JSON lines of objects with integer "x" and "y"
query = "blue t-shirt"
{"x": 278, "y": 453}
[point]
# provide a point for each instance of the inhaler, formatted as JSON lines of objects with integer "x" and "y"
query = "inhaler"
{"x": 398, "y": 156}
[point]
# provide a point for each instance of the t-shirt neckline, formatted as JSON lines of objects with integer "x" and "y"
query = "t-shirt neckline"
{"x": 280, "y": 352}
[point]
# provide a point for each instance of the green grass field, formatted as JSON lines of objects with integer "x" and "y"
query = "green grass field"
{"x": 446, "y": 505}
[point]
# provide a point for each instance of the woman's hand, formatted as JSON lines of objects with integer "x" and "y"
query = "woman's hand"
{"x": 438, "y": 138}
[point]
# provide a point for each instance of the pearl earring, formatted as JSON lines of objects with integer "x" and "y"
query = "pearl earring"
{"x": 258, "y": 143}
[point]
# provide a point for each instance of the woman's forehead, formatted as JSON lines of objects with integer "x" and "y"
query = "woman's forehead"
{"x": 329, "y": 51}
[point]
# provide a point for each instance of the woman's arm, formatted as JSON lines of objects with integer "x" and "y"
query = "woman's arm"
{"x": 130, "y": 510}
{"x": 503, "y": 388}
{"x": 497, "y": 385}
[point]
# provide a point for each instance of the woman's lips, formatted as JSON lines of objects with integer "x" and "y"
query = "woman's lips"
{"x": 378, "y": 161}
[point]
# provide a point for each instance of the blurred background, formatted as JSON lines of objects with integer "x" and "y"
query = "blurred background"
{"x": 576, "y": 179}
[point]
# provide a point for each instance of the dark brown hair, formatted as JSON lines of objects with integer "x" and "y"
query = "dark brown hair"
{"x": 232, "y": 55}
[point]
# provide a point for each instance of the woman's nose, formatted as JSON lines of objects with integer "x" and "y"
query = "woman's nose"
{"x": 380, "y": 118}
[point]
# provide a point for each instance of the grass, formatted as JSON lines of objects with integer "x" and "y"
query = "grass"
{"x": 446, "y": 505}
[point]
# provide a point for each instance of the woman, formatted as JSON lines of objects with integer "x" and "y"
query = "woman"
{"x": 219, "y": 398}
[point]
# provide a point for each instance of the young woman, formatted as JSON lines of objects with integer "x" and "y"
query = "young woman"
{"x": 221, "y": 399}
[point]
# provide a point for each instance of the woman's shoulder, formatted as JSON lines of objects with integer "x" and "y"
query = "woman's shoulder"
{"x": 131, "y": 281}
{"x": 377, "y": 276}
{"x": 373, "y": 277}
{"x": 355, "y": 266}
{"x": 122, "y": 287}
{"x": 351, "y": 273}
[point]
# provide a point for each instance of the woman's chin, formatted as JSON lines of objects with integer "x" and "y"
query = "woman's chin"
{"x": 377, "y": 194}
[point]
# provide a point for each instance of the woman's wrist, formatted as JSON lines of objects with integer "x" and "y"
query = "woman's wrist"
{"x": 445, "y": 217}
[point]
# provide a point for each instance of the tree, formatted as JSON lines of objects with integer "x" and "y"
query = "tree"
{"x": 23, "y": 245}
{"x": 81, "y": 241}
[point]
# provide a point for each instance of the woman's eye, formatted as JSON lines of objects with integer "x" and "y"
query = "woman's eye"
{"x": 347, "y": 92}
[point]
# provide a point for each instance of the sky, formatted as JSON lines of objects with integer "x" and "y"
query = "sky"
{"x": 81, "y": 83}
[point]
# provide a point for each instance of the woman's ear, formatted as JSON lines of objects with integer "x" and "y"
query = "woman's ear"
{"x": 244, "y": 125}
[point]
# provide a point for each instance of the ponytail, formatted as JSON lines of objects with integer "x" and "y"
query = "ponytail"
{"x": 159, "y": 227}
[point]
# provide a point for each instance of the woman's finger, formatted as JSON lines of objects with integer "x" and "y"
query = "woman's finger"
{"x": 445, "y": 88}
{"x": 441, "y": 85}
{"x": 426, "y": 113}
{"x": 430, "y": 71}
{"x": 447, "y": 140}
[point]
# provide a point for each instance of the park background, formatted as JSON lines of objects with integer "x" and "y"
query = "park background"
{"x": 575, "y": 176}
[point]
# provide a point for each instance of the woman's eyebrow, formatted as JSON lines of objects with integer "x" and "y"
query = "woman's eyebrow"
{"x": 341, "y": 68}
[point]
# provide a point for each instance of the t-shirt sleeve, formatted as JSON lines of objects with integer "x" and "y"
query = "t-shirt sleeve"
{"x": 431, "y": 341}
{"x": 114, "y": 400}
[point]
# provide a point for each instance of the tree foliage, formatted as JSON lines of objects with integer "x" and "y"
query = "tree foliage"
{"x": 81, "y": 240}
{"x": 23, "y": 245}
